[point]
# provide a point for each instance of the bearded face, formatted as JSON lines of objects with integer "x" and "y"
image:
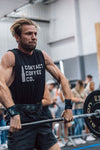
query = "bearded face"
{"x": 28, "y": 46}
{"x": 28, "y": 39}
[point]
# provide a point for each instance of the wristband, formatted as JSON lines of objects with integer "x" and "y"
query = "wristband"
{"x": 12, "y": 111}
{"x": 68, "y": 104}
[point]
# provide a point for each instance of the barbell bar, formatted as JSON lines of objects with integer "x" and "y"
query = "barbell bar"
{"x": 96, "y": 113}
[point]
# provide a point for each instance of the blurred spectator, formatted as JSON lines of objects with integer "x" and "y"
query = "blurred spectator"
{"x": 88, "y": 79}
{"x": 60, "y": 108}
{"x": 53, "y": 94}
{"x": 3, "y": 134}
{"x": 90, "y": 88}
{"x": 51, "y": 84}
{"x": 60, "y": 103}
{"x": 78, "y": 99}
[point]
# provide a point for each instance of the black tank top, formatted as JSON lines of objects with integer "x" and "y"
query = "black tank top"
{"x": 29, "y": 82}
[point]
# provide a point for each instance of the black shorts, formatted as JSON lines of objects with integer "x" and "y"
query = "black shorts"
{"x": 30, "y": 137}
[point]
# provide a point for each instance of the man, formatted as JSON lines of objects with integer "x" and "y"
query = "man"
{"x": 23, "y": 90}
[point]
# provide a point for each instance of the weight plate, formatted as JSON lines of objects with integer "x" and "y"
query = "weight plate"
{"x": 92, "y": 103}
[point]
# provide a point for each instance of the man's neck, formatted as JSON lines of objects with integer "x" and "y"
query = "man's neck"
{"x": 24, "y": 51}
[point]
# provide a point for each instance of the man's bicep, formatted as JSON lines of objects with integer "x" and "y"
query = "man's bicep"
{"x": 5, "y": 74}
{"x": 6, "y": 67}
{"x": 54, "y": 71}
{"x": 51, "y": 67}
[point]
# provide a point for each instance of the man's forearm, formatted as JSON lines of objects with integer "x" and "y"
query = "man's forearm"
{"x": 5, "y": 96}
{"x": 65, "y": 88}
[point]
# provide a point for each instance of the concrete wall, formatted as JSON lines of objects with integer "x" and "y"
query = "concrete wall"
{"x": 62, "y": 30}
{"x": 6, "y": 40}
{"x": 89, "y": 13}
{"x": 72, "y": 28}
{"x": 76, "y": 47}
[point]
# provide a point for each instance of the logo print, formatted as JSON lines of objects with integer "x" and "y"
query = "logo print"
{"x": 28, "y": 72}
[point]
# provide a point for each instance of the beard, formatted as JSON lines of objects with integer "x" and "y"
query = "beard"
{"x": 27, "y": 47}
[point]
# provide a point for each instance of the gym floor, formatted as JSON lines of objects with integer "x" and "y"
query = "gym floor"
{"x": 93, "y": 145}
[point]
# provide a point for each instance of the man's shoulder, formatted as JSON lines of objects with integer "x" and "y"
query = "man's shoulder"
{"x": 8, "y": 59}
{"x": 39, "y": 52}
{"x": 13, "y": 50}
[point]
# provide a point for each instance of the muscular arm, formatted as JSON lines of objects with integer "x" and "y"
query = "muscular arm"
{"x": 56, "y": 73}
{"x": 6, "y": 68}
{"x": 6, "y": 78}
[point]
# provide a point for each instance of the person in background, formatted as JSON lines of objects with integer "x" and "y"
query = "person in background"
{"x": 3, "y": 134}
{"x": 60, "y": 108}
{"x": 90, "y": 88}
{"x": 89, "y": 78}
{"x": 53, "y": 94}
{"x": 57, "y": 109}
{"x": 79, "y": 97}
{"x": 60, "y": 104}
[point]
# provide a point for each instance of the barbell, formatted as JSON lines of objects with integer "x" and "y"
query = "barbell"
{"x": 91, "y": 114}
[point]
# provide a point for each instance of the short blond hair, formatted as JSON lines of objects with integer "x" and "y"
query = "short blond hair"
{"x": 16, "y": 28}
